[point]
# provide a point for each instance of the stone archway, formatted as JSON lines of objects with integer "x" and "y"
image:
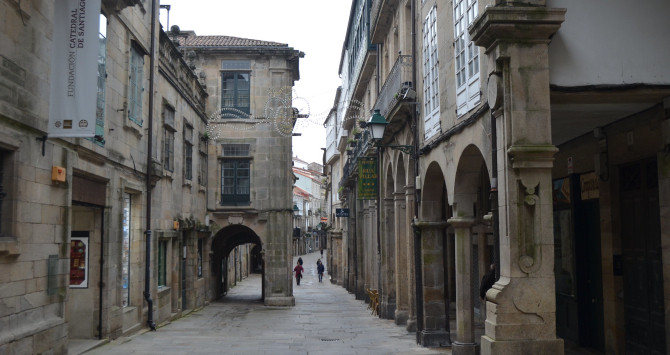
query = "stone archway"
{"x": 388, "y": 289}
{"x": 223, "y": 243}
{"x": 470, "y": 205}
{"x": 434, "y": 303}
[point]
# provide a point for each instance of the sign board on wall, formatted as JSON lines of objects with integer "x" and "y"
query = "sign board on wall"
{"x": 74, "y": 65}
{"x": 589, "y": 184}
{"x": 367, "y": 178}
{"x": 341, "y": 212}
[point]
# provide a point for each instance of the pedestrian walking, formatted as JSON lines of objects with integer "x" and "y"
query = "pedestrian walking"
{"x": 322, "y": 252}
{"x": 298, "y": 272}
{"x": 320, "y": 269}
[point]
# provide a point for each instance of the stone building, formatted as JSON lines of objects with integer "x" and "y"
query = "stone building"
{"x": 103, "y": 236}
{"x": 527, "y": 135}
{"x": 250, "y": 120}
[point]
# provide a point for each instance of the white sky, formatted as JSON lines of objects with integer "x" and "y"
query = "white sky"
{"x": 315, "y": 27}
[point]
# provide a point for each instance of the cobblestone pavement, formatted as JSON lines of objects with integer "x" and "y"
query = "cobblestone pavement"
{"x": 325, "y": 320}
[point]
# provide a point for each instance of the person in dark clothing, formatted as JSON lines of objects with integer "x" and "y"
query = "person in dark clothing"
{"x": 320, "y": 269}
{"x": 298, "y": 272}
{"x": 487, "y": 281}
{"x": 300, "y": 261}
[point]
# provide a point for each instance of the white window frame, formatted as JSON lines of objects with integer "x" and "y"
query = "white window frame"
{"x": 466, "y": 57}
{"x": 431, "y": 89}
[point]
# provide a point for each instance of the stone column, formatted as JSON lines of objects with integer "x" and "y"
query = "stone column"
{"x": 278, "y": 262}
{"x": 411, "y": 280}
{"x": 402, "y": 284}
{"x": 388, "y": 301}
{"x": 521, "y": 306}
{"x": 465, "y": 331}
{"x": 434, "y": 333}
{"x": 483, "y": 262}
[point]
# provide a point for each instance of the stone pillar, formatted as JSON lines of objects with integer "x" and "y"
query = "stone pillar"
{"x": 278, "y": 261}
{"x": 465, "y": 331}
{"x": 388, "y": 301}
{"x": 402, "y": 284}
{"x": 483, "y": 262}
{"x": 434, "y": 333}
{"x": 409, "y": 202}
{"x": 521, "y": 306}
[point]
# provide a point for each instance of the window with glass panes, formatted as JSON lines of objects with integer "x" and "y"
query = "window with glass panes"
{"x": 431, "y": 92}
{"x": 125, "y": 251}
{"x": 135, "y": 85}
{"x": 202, "y": 149}
{"x": 162, "y": 263}
{"x": 235, "y": 88}
{"x": 235, "y": 174}
{"x": 466, "y": 57}
{"x": 188, "y": 152}
{"x": 168, "y": 138}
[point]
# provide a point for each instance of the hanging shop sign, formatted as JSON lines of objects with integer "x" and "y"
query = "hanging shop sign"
{"x": 341, "y": 212}
{"x": 367, "y": 178}
{"x": 74, "y": 65}
{"x": 79, "y": 262}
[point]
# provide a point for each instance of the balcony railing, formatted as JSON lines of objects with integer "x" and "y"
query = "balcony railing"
{"x": 395, "y": 86}
{"x": 363, "y": 148}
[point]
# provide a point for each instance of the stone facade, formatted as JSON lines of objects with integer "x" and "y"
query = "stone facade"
{"x": 78, "y": 214}
{"x": 508, "y": 143}
{"x": 256, "y": 133}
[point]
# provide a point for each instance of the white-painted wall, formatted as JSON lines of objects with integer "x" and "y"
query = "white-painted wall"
{"x": 611, "y": 42}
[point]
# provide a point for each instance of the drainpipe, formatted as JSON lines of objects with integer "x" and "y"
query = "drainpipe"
{"x": 102, "y": 268}
{"x": 147, "y": 266}
{"x": 417, "y": 233}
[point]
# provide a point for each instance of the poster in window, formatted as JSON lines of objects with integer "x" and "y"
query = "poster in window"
{"x": 79, "y": 262}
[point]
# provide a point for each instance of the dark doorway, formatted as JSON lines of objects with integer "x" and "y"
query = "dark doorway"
{"x": 577, "y": 260}
{"x": 644, "y": 314}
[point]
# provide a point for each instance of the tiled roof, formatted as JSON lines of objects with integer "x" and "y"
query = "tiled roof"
{"x": 225, "y": 41}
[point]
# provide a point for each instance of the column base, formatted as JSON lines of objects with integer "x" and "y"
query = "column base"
{"x": 288, "y": 301}
{"x": 464, "y": 348}
{"x": 504, "y": 347}
{"x": 387, "y": 310}
{"x": 434, "y": 338}
{"x": 411, "y": 325}
{"x": 401, "y": 317}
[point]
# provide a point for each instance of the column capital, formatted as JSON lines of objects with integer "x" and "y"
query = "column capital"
{"x": 515, "y": 24}
{"x": 461, "y": 222}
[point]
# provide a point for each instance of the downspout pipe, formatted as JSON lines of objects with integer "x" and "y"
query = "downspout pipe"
{"x": 418, "y": 274}
{"x": 147, "y": 266}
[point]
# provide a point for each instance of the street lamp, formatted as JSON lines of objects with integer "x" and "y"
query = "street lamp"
{"x": 377, "y": 125}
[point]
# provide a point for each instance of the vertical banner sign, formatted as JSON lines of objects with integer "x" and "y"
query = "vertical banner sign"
{"x": 367, "y": 178}
{"x": 74, "y": 65}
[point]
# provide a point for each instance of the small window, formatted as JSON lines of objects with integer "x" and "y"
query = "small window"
{"x": 235, "y": 89}
{"x": 202, "y": 175}
{"x": 135, "y": 85}
{"x": 168, "y": 138}
{"x": 5, "y": 192}
{"x": 162, "y": 260}
{"x": 236, "y": 150}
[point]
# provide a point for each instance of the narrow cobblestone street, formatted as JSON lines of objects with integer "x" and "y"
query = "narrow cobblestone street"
{"x": 325, "y": 320}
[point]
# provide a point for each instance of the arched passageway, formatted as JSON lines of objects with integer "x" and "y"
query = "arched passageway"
{"x": 433, "y": 305}
{"x": 471, "y": 212}
{"x": 223, "y": 247}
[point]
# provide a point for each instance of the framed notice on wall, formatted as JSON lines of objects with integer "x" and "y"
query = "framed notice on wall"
{"x": 78, "y": 262}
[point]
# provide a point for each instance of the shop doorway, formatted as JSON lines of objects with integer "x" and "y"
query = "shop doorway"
{"x": 644, "y": 314}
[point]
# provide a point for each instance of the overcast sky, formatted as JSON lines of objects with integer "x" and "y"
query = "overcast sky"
{"x": 315, "y": 27}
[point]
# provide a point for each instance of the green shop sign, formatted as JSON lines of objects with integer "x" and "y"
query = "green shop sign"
{"x": 367, "y": 178}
